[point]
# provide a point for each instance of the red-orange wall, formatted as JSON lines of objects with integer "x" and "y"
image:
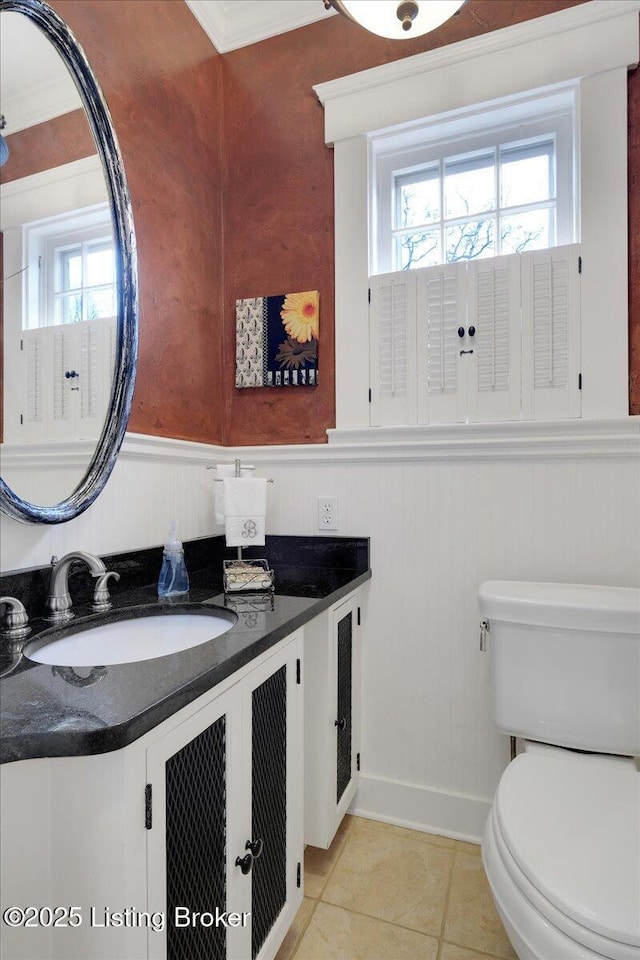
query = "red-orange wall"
{"x": 232, "y": 189}
{"x": 161, "y": 78}
{"x": 278, "y": 192}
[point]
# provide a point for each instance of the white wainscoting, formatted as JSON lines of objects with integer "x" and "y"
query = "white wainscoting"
{"x": 439, "y": 525}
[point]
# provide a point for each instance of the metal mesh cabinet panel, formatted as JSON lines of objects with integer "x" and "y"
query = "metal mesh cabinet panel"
{"x": 196, "y": 839}
{"x": 269, "y": 805}
{"x": 344, "y": 720}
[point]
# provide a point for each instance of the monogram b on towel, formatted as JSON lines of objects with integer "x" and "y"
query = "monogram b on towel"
{"x": 245, "y": 508}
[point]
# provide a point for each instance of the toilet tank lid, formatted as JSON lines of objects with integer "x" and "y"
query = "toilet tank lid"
{"x": 576, "y": 606}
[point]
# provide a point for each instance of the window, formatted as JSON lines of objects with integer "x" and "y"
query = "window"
{"x": 72, "y": 270}
{"x": 476, "y": 205}
{"x": 466, "y": 187}
{"x": 81, "y": 279}
{"x": 582, "y": 55}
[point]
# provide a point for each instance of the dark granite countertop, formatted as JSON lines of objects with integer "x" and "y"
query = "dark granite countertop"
{"x": 49, "y": 711}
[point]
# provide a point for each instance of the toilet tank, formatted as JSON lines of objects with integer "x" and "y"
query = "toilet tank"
{"x": 565, "y": 663}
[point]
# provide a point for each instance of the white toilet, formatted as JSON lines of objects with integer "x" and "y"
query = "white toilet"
{"x": 562, "y": 844}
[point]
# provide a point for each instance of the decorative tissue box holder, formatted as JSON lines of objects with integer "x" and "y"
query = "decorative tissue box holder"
{"x": 247, "y": 575}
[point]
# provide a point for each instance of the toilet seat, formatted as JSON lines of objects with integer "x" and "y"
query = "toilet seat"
{"x": 562, "y": 853}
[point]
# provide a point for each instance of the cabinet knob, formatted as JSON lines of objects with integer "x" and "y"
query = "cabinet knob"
{"x": 256, "y": 847}
{"x": 461, "y": 332}
{"x": 472, "y": 331}
{"x": 341, "y": 724}
{"x": 245, "y": 863}
{"x": 71, "y": 374}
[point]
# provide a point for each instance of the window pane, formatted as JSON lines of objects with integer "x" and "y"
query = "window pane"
{"x": 100, "y": 303}
{"x": 418, "y": 199}
{"x": 533, "y": 230}
{"x": 468, "y": 241}
{"x": 526, "y": 174}
{"x": 100, "y": 264}
{"x": 469, "y": 185}
{"x": 71, "y": 269}
{"x": 418, "y": 250}
{"x": 69, "y": 309}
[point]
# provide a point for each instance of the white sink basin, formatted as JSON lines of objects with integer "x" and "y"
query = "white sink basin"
{"x": 128, "y": 640}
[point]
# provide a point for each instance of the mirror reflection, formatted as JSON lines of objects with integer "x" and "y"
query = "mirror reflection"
{"x": 59, "y": 268}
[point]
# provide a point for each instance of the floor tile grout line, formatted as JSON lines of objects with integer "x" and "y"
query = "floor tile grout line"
{"x": 353, "y": 830}
{"x": 304, "y": 929}
{"x": 463, "y": 946}
{"x": 447, "y": 896}
{"x": 335, "y": 863}
{"x": 318, "y": 899}
{"x": 372, "y": 916}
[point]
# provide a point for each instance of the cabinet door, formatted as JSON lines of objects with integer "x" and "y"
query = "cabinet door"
{"x": 194, "y": 775}
{"x": 346, "y": 673}
{"x": 273, "y": 715}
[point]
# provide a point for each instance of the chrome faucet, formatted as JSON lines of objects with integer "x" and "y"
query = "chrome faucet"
{"x": 15, "y": 625}
{"x": 59, "y": 601}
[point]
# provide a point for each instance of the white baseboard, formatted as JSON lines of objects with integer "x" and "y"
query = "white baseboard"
{"x": 421, "y": 808}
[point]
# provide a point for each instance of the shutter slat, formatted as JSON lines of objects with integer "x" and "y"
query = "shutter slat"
{"x": 494, "y": 311}
{"x": 440, "y": 309}
{"x": 35, "y": 378}
{"x": 551, "y": 330}
{"x": 392, "y": 345}
{"x": 492, "y": 324}
{"x": 441, "y": 323}
{"x": 88, "y": 372}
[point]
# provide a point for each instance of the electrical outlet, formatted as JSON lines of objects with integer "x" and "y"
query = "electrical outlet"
{"x": 327, "y": 513}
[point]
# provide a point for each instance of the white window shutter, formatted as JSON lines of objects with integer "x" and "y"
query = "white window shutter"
{"x": 551, "y": 333}
{"x": 63, "y": 362}
{"x": 493, "y": 309}
{"x": 36, "y": 399}
{"x": 441, "y": 307}
{"x": 97, "y": 367}
{"x": 392, "y": 324}
{"x": 36, "y": 406}
{"x": 88, "y": 369}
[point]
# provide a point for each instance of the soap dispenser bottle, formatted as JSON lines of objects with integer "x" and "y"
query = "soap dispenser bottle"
{"x": 174, "y": 579}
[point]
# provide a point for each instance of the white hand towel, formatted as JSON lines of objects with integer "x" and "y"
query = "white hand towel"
{"x": 225, "y": 470}
{"x": 245, "y": 509}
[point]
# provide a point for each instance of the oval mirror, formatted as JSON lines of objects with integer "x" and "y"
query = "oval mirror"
{"x": 70, "y": 304}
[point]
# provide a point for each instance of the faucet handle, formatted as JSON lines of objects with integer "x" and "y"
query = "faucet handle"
{"x": 16, "y": 622}
{"x": 101, "y": 596}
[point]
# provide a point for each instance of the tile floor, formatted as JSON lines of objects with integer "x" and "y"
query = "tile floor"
{"x": 387, "y": 893}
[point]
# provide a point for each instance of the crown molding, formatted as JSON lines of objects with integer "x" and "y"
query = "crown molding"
{"x": 538, "y": 28}
{"x": 37, "y": 106}
{"x": 211, "y": 17}
{"x": 231, "y": 24}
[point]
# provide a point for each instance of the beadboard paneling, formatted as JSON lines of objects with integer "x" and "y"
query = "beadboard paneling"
{"x": 438, "y": 528}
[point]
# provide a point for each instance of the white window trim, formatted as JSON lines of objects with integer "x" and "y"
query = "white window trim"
{"x": 594, "y": 44}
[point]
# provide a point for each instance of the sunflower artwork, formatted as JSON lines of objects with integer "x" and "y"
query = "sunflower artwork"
{"x": 277, "y": 340}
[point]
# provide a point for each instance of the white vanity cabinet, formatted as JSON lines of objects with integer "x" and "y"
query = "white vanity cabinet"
{"x": 332, "y": 717}
{"x": 225, "y": 825}
{"x": 161, "y": 824}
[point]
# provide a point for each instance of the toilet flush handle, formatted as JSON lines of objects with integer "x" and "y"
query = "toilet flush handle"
{"x": 485, "y": 633}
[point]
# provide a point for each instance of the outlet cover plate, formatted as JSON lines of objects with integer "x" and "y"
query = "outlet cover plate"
{"x": 327, "y": 513}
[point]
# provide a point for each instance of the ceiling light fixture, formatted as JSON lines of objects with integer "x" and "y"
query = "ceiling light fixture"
{"x": 397, "y": 21}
